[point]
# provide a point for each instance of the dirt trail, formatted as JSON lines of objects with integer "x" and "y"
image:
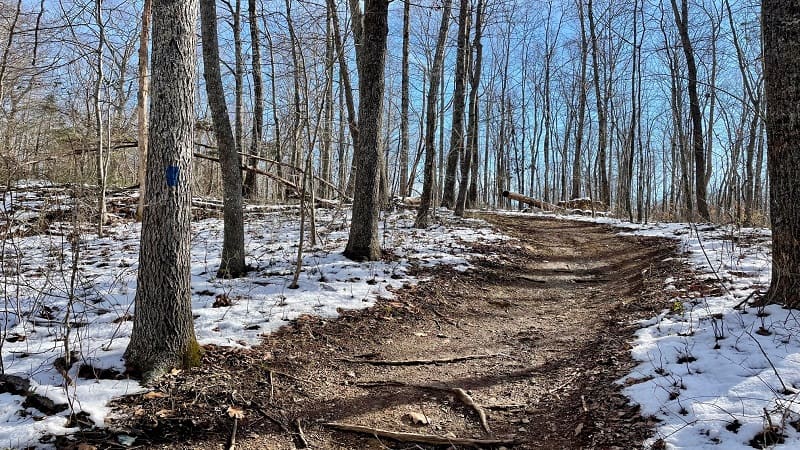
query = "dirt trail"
{"x": 549, "y": 313}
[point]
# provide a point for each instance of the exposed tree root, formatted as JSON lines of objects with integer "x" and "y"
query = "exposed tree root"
{"x": 419, "y": 438}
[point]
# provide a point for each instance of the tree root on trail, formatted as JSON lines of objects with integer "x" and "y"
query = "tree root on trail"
{"x": 418, "y": 362}
{"x": 419, "y": 438}
{"x": 459, "y": 393}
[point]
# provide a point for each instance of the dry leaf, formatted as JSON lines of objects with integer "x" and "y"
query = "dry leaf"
{"x": 175, "y": 371}
{"x": 84, "y": 446}
{"x": 235, "y": 412}
{"x": 420, "y": 334}
{"x": 164, "y": 413}
{"x": 155, "y": 394}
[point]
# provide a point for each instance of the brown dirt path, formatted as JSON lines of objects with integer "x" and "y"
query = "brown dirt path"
{"x": 551, "y": 311}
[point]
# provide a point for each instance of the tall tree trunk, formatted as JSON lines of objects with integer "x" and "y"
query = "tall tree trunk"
{"x": 682, "y": 22}
{"x": 781, "y": 30}
{"x": 326, "y": 149}
{"x": 275, "y": 122}
{"x": 602, "y": 121}
{"x": 142, "y": 99}
{"x": 459, "y": 101}
{"x": 423, "y": 213}
{"x": 250, "y": 187}
{"x": 344, "y": 77}
{"x": 468, "y": 163}
{"x": 163, "y": 329}
{"x": 98, "y": 118}
{"x": 404, "y": 101}
{"x": 363, "y": 242}
{"x": 232, "y": 261}
{"x": 576, "y": 162}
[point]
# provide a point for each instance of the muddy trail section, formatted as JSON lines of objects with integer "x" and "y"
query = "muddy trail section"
{"x": 522, "y": 351}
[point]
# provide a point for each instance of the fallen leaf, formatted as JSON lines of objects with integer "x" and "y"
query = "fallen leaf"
{"x": 164, "y": 413}
{"x": 175, "y": 371}
{"x": 84, "y": 446}
{"x": 235, "y": 412}
{"x": 155, "y": 394}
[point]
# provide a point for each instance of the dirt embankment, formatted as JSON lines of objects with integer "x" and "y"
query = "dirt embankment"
{"x": 534, "y": 337}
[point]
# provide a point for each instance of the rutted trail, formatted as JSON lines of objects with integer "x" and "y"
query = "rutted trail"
{"x": 535, "y": 334}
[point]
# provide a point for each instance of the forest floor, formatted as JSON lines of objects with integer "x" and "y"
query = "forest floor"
{"x": 535, "y": 335}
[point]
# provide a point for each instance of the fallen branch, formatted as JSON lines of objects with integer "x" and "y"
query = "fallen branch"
{"x": 531, "y": 201}
{"x": 418, "y": 362}
{"x": 419, "y": 438}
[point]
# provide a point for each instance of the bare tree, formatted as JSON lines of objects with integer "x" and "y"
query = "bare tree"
{"x": 363, "y": 242}
{"x": 250, "y": 186}
{"x": 423, "y": 213}
{"x": 232, "y": 263}
{"x": 701, "y": 179}
{"x": 142, "y": 99}
{"x": 163, "y": 328}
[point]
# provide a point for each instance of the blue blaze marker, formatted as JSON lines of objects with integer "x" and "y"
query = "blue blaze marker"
{"x": 172, "y": 175}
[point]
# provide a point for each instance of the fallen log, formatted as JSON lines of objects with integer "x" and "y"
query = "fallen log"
{"x": 531, "y": 201}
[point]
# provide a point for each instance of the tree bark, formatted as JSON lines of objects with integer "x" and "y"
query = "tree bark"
{"x": 250, "y": 187}
{"x": 469, "y": 164}
{"x": 363, "y": 242}
{"x": 232, "y": 261}
{"x": 459, "y": 102}
{"x": 576, "y": 162}
{"x": 682, "y": 22}
{"x": 781, "y": 30}
{"x": 423, "y": 213}
{"x": 163, "y": 329}
{"x": 404, "y": 101}
{"x": 602, "y": 121}
{"x": 142, "y": 98}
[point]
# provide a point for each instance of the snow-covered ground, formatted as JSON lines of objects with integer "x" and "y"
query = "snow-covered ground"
{"x": 37, "y": 286}
{"x": 714, "y": 376}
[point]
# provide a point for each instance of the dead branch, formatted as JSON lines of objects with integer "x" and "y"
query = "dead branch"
{"x": 283, "y": 181}
{"x": 419, "y": 438}
{"x": 418, "y": 362}
{"x": 531, "y": 201}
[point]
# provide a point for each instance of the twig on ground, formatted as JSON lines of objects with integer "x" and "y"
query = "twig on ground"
{"x": 419, "y": 438}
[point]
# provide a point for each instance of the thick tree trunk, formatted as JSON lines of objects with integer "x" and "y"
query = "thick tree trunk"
{"x": 363, "y": 242}
{"x": 232, "y": 262}
{"x": 781, "y": 30}
{"x": 163, "y": 329}
{"x": 423, "y": 213}
{"x": 142, "y": 98}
